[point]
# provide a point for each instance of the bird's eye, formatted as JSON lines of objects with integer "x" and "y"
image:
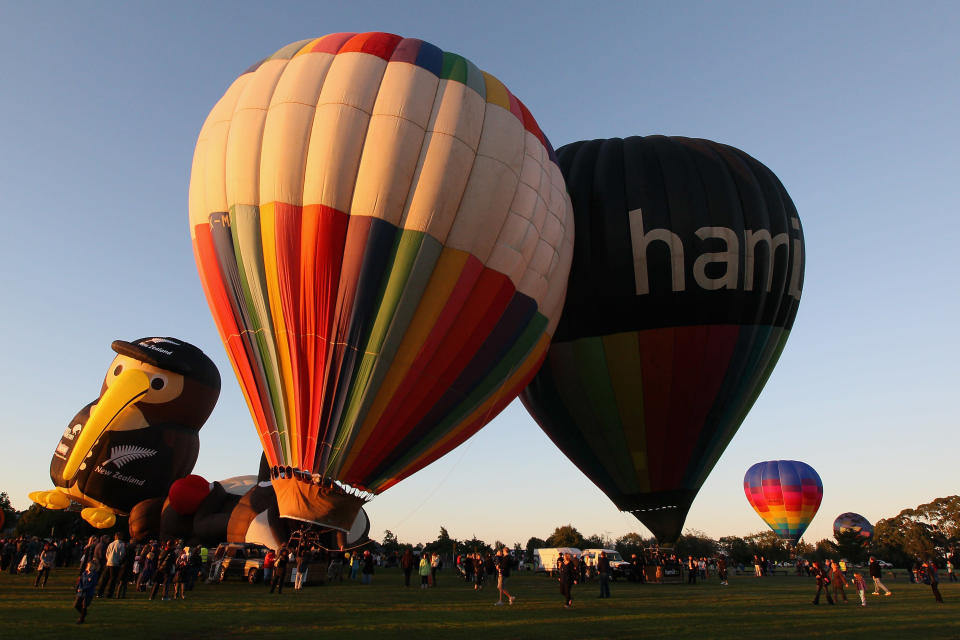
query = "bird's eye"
{"x": 158, "y": 383}
{"x": 118, "y": 369}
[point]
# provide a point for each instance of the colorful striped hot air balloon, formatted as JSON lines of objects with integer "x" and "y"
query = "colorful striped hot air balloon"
{"x": 686, "y": 279}
{"x": 786, "y": 494}
{"x": 384, "y": 237}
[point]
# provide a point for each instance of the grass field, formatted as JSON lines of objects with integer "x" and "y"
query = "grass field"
{"x": 775, "y": 607}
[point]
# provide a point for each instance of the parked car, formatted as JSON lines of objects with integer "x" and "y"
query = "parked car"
{"x": 237, "y": 560}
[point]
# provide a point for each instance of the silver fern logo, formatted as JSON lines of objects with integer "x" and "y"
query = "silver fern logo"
{"x": 121, "y": 455}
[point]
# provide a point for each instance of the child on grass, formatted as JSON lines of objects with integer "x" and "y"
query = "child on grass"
{"x": 861, "y": 586}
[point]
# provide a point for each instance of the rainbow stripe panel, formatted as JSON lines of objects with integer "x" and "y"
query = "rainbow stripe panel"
{"x": 384, "y": 238}
{"x": 786, "y": 494}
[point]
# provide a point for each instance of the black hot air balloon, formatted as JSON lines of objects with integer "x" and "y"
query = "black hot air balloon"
{"x": 686, "y": 278}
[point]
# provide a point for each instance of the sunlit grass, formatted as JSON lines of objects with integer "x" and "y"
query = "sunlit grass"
{"x": 777, "y": 607}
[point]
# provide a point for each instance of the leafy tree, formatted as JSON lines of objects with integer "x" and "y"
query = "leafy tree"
{"x": 849, "y": 545}
{"x": 566, "y": 536}
{"x": 444, "y": 544}
{"x": 9, "y": 513}
{"x": 391, "y": 544}
{"x": 736, "y": 549}
{"x": 630, "y": 544}
{"x": 697, "y": 544}
{"x": 533, "y": 543}
{"x": 919, "y": 533}
{"x": 473, "y": 545}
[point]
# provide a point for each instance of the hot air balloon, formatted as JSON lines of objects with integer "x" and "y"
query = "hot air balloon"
{"x": 786, "y": 494}
{"x": 853, "y": 522}
{"x": 384, "y": 237}
{"x": 686, "y": 277}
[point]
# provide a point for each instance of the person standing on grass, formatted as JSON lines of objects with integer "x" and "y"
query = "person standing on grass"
{"x": 603, "y": 570}
{"x": 434, "y": 567}
{"x": 367, "y": 567}
{"x": 424, "y": 570}
{"x": 503, "y": 572}
{"x": 951, "y": 565}
{"x": 280, "y": 564}
{"x": 126, "y": 570}
{"x": 406, "y": 563}
{"x": 823, "y": 583}
{"x": 875, "y": 573}
{"x": 839, "y": 581}
{"x": 114, "y": 556}
{"x": 931, "y": 567}
{"x": 165, "y": 566}
{"x": 478, "y": 572}
{"x": 268, "y": 561}
{"x": 86, "y": 588}
{"x": 48, "y": 558}
{"x": 691, "y": 570}
{"x": 722, "y": 570}
{"x": 567, "y": 577}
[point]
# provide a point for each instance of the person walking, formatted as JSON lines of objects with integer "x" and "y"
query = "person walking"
{"x": 603, "y": 571}
{"x": 406, "y": 563}
{"x": 567, "y": 577}
{"x": 875, "y": 573}
{"x": 478, "y": 572}
{"x": 823, "y": 583}
{"x": 86, "y": 588}
{"x": 503, "y": 572}
{"x": 931, "y": 567}
{"x": 861, "y": 587}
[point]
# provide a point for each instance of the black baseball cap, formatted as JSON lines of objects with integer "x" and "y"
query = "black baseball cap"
{"x": 172, "y": 354}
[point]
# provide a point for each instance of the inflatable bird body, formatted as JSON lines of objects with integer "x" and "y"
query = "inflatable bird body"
{"x": 139, "y": 436}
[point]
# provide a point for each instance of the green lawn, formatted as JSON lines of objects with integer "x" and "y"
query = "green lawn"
{"x": 776, "y": 607}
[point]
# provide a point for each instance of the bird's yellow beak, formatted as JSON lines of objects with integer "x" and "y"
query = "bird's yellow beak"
{"x": 127, "y": 388}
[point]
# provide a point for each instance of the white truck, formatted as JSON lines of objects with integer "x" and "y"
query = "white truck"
{"x": 618, "y": 566}
{"x": 545, "y": 560}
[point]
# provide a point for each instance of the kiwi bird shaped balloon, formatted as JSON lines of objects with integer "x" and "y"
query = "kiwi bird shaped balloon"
{"x": 686, "y": 278}
{"x": 139, "y": 436}
{"x": 384, "y": 237}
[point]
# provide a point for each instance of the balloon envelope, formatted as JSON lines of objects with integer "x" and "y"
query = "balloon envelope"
{"x": 853, "y": 522}
{"x": 384, "y": 238}
{"x": 686, "y": 277}
{"x": 786, "y": 494}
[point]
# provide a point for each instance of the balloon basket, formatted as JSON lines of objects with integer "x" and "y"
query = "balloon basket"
{"x": 301, "y": 496}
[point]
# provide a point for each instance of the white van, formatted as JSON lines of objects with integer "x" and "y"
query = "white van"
{"x": 545, "y": 560}
{"x": 618, "y": 566}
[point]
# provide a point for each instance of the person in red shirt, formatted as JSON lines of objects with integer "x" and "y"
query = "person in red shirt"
{"x": 268, "y": 561}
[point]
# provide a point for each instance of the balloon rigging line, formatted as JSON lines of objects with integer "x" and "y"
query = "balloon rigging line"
{"x": 437, "y": 486}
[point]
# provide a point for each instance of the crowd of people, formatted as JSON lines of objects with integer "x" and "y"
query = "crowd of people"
{"x": 107, "y": 565}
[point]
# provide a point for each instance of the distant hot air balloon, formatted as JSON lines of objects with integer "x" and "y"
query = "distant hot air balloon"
{"x": 686, "y": 277}
{"x": 384, "y": 238}
{"x": 786, "y": 494}
{"x": 853, "y": 522}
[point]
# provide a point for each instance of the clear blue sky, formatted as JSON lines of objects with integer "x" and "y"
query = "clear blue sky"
{"x": 854, "y": 105}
